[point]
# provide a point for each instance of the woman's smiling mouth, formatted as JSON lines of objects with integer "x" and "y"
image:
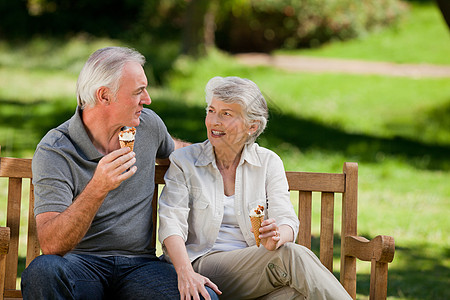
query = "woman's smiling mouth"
{"x": 217, "y": 133}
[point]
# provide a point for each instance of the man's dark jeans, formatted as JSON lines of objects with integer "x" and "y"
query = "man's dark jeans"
{"x": 78, "y": 277}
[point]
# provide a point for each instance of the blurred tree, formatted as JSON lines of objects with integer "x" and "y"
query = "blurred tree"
{"x": 194, "y": 27}
{"x": 14, "y": 18}
{"x": 201, "y": 19}
{"x": 444, "y": 6}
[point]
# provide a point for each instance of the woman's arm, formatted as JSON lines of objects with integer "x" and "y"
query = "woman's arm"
{"x": 190, "y": 283}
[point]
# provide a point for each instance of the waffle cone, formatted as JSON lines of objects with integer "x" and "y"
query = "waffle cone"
{"x": 129, "y": 144}
{"x": 256, "y": 224}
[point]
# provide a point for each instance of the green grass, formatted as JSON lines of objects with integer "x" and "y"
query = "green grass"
{"x": 396, "y": 128}
{"x": 421, "y": 37}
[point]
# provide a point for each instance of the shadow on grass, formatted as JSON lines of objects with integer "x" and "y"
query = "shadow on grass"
{"x": 418, "y": 276}
{"x": 309, "y": 135}
{"x": 415, "y": 273}
{"x": 28, "y": 123}
{"x": 22, "y": 125}
{"x": 187, "y": 122}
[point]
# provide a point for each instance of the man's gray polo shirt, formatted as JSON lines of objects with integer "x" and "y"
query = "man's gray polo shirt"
{"x": 65, "y": 161}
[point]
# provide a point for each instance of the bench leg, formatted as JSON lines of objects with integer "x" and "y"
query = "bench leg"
{"x": 2, "y": 274}
{"x": 378, "y": 280}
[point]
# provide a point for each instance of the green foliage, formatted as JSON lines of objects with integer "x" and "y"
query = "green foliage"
{"x": 422, "y": 36}
{"x": 396, "y": 128}
{"x": 62, "y": 17}
{"x": 307, "y": 23}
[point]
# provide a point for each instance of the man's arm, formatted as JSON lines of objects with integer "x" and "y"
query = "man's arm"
{"x": 178, "y": 144}
{"x": 59, "y": 233}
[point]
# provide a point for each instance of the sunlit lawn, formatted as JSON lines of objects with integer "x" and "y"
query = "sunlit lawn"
{"x": 396, "y": 128}
{"x": 421, "y": 37}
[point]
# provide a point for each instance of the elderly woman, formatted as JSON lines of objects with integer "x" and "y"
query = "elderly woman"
{"x": 204, "y": 209}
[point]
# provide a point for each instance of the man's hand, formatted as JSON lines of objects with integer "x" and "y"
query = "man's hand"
{"x": 113, "y": 169}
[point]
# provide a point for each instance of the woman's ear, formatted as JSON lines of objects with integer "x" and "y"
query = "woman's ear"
{"x": 253, "y": 127}
{"x": 103, "y": 95}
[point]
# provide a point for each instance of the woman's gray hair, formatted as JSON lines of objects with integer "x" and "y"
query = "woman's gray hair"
{"x": 104, "y": 68}
{"x": 244, "y": 92}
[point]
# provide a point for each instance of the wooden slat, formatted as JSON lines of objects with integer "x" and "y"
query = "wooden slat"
{"x": 4, "y": 247}
{"x": 316, "y": 182}
{"x": 304, "y": 216}
{"x": 13, "y": 222}
{"x": 349, "y": 226}
{"x": 160, "y": 171}
{"x": 33, "y": 248}
{"x": 327, "y": 230}
{"x": 2, "y": 273}
{"x": 15, "y": 167}
{"x": 154, "y": 215}
{"x": 13, "y": 294}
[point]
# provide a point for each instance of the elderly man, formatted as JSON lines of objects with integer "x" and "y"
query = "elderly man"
{"x": 93, "y": 198}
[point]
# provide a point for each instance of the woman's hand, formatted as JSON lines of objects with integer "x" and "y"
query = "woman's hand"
{"x": 269, "y": 234}
{"x": 272, "y": 236}
{"x": 191, "y": 285}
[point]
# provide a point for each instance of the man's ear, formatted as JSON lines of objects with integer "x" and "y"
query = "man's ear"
{"x": 103, "y": 95}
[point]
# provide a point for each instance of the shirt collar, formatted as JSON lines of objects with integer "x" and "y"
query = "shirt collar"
{"x": 249, "y": 154}
{"x": 78, "y": 134}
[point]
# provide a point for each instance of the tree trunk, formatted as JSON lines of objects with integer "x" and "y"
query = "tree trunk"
{"x": 193, "y": 31}
{"x": 444, "y": 6}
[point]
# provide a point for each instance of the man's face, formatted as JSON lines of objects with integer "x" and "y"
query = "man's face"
{"x": 131, "y": 96}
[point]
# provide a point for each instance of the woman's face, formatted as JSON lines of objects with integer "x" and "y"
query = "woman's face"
{"x": 225, "y": 125}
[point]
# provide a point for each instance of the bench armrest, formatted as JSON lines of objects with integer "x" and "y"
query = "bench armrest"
{"x": 381, "y": 248}
{"x": 379, "y": 251}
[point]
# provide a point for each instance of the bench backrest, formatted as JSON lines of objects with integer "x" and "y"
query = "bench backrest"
{"x": 327, "y": 184}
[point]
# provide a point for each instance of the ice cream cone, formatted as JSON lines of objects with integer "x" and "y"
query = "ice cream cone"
{"x": 129, "y": 144}
{"x": 256, "y": 224}
{"x": 126, "y": 137}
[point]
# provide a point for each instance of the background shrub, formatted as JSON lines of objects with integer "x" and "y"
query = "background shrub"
{"x": 270, "y": 24}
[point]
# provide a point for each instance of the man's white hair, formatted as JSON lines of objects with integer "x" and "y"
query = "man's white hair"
{"x": 104, "y": 68}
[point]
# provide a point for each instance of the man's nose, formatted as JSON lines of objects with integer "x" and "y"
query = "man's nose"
{"x": 146, "y": 98}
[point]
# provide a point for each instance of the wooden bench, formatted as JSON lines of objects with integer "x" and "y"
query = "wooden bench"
{"x": 379, "y": 251}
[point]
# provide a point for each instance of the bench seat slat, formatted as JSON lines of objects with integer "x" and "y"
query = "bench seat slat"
{"x": 327, "y": 230}
{"x": 304, "y": 216}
